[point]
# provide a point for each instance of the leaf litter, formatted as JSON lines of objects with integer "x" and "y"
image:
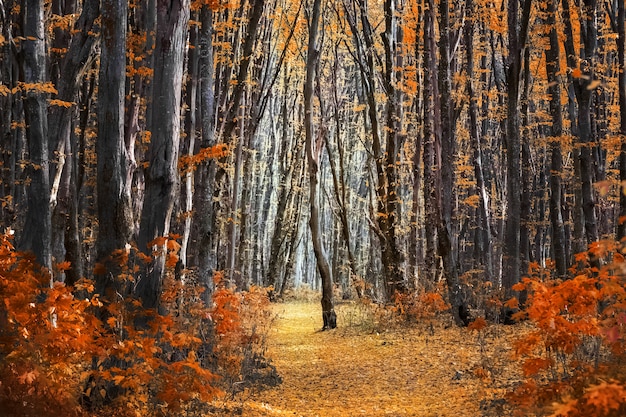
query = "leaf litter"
{"x": 432, "y": 369}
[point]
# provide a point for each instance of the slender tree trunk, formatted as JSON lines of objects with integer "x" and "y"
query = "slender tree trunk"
{"x": 584, "y": 98}
{"x": 553, "y": 67}
{"x": 621, "y": 46}
{"x": 388, "y": 187}
{"x": 446, "y": 232}
{"x": 190, "y": 134}
{"x": 204, "y": 233}
{"x": 313, "y": 152}
{"x": 430, "y": 133}
{"x": 485, "y": 237}
{"x": 526, "y": 173}
{"x": 517, "y": 33}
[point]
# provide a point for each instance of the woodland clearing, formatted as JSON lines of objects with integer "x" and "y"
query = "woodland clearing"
{"x": 360, "y": 369}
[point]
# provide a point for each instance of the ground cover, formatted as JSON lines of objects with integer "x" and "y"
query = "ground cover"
{"x": 362, "y": 369}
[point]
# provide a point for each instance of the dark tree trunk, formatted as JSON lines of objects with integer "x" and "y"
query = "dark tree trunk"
{"x": 162, "y": 177}
{"x": 79, "y": 56}
{"x": 36, "y": 236}
{"x": 114, "y": 199}
{"x": 430, "y": 133}
{"x": 584, "y": 98}
{"x": 517, "y": 34}
{"x": 388, "y": 187}
{"x": 526, "y": 174}
{"x": 204, "y": 228}
{"x": 621, "y": 46}
{"x": 553, "y": 67}
{"x": 313, "y": 152}
{"x": 446, "y": 232}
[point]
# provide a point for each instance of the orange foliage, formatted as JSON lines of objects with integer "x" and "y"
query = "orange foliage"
{"x": 59, "y": 350}
{"x": 187, "y": 163}
{"x": 579, "y": 337}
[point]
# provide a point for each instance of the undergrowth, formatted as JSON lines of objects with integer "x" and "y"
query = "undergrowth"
{"x": 67, "y": 351}
{"x": 574, "y": 359}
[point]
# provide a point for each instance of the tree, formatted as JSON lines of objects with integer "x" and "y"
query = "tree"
{"x": 314, "y": 147}
{"x": 582, "y": 77}
{"x": 553, "y": 66}
{"x": 517, "y": 36}
{"x": 621, "y": 50}
{"x": 162, "y": 177}
{"x": 36, "y": 235}
{"x": 114, "y": 194}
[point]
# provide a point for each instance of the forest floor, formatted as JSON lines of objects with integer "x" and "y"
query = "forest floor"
{"x": 360, "y": 369}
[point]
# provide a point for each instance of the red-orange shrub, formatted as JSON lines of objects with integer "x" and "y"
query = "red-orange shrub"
{"x": 575, "y": 355}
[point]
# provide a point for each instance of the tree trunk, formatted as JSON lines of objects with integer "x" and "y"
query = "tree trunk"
{"x": 430, "y": 138}
{"x": 204, "y": 228}
{"x": 584, "y": 98}
{"x": 313, "y": 152}
{"x": 162, "y": 177}
{"x": 80, "y": 54}
{"x": 388, "y": 187}
{"x": 446, "y": 232}
{"x": 114, "y": 199}
{"x": 484, "y": 242}
{"x": 191, "y": 99}
{"x": 517, "y": 34}
{"x": 553, "y": 67}
{"x": 36, "y": 236}
{"x": 621, "y": 46}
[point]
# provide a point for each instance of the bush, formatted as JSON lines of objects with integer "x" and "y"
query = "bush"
{"x": 64, "y": 355}
{"x": 575, "y": 355}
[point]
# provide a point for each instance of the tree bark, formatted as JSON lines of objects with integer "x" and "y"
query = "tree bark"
{"x": 553, "y": 67}
{"x": 191, "y": 99}
{"x": 36, "y": 236}
{"x": 446, "y": 232}
{"x": 162, "y": 177}
{"x": 388, "y": 187}
{"x": 484, "y": 241}
{"x": 584, "y": 98}
{"x": 431, "y": 133}
{"x": 313, "y": 152}
{"x": 621, "y": 47}
{"x": 204, "y": 228}
{"x": 114, "y": 199}
{"x": 517, "y": 34}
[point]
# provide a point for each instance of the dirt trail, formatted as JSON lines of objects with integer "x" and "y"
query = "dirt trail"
{"x": 348, "y": 373}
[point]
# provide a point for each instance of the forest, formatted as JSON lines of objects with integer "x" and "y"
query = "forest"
{"x": 176, "y": 174}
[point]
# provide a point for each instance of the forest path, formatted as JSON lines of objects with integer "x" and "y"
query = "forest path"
{"x": 355, "y": 371}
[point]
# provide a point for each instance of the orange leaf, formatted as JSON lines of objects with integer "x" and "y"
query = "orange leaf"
{"x": 478, "y": 324}
{"x": 535, "y": 365}
{"x": 28, "y": 377}
{"x": 159, "y": 241}
{"x": 64, "y": 266}
{"x": 512, "y": 303}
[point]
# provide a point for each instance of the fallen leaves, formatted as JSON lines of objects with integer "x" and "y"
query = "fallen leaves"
{"x": 400, "y": 372}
